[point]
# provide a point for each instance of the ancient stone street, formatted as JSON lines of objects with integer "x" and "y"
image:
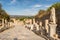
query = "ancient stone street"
{"x": 19, "y": 33}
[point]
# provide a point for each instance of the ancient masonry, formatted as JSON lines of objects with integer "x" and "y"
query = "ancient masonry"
{"x": 50, "y": 27}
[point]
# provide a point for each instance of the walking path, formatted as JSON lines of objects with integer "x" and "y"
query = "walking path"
{"x": 19, "y": 33}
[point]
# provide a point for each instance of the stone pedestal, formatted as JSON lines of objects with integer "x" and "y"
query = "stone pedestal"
{"x": 52, "y": 30}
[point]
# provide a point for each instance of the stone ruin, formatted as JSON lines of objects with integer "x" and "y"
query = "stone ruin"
{"x": 49, "y": 30}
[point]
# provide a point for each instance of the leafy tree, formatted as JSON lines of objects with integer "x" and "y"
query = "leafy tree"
{"x": 3, "y": 14}
{"x": 56, "y": 6}
{"x": 41, "y": 13}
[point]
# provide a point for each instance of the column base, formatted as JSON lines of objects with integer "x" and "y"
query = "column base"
{"x": 52, "y": 30}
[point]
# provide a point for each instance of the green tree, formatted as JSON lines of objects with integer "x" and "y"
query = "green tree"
{"x": 56, "y": 6}
{"x": 3, "y": 14}
{"x": 41, "y": 13}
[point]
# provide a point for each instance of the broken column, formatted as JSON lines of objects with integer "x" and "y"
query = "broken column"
{"x": 32, "y": 24}
{"x": 46, "y": 26}
{"x": 52, "y": 24}
{"x": 31, "y": 27}
{"x": 40, "y": 24}
{"x": 6, "y": 24}
{"x": 41, "y": 28}
{"x": 2, "y": 23}
{"x": 33, "y": 21}
{"x": 37, "y": 27}
{"x": 30, "y": 21}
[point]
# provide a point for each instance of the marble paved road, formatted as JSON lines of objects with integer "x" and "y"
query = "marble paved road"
{"x": 19, "y": 33}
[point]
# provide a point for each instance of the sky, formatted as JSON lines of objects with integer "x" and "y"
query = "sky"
{"x": 26, "y": 7}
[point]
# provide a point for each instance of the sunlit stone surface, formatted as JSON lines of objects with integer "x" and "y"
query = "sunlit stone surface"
{"x": 19, "y": 33}
{"x": 37, "y": 27}
{"x": 53, "y": 24}
{"x": 53, "y": 15}
{"x": 31, "y": 27}
{"x": 33, "y": 21}
{"x": 52, "y": 30}
{"x": 46, "y": 25}
{"x": 40, "y": 23}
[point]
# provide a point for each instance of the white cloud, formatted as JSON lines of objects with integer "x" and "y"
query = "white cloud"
{"x": 37, "y": 5}
{"x": 47, "y": 6}
{"x": 13, "y": 1}
{"x": 29, "y": 11}
{"x": 47, "y": 0}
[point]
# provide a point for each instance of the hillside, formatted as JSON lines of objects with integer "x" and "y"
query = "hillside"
{"x": 45, "y": 14}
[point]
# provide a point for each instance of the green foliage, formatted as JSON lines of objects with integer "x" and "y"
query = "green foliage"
{"x": 21, "y": 19}
{"x": 24, "y": 17}
{"x": 41, "y": 13}
{"x": 3, "y": 14}
{"x": 11, "y": 21}
{"x": 56, "y": 6}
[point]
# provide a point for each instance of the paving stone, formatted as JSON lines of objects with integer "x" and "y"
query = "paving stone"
{"x": 19, "y": 33}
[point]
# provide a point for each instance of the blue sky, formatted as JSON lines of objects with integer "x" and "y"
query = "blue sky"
{"x": 26, "y": 7}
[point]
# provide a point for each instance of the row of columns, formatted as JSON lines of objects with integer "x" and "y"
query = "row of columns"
{"x": 4, "y": 23}
{"x": 49, "y": 26}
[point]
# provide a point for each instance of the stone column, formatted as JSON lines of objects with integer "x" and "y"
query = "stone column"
{"x": 5, "y": 21}
{"x": 37, "y": 27}
{"x": 24, "y": 21}
{"x": 52, "y": 24}
{"x": 31, "y": 27}
{"x": 41, "y": 30}
{"x": 33, "y": 21}
{"x": 6, "y": 24}
{"x": 30, "y": 21}
{"x": 53, "y": 16}
{"x": 2, "y": 23}
{"x": 46, "y": 25}
{"x": 40, "y": 23}
{"x": 14, "y": 21}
